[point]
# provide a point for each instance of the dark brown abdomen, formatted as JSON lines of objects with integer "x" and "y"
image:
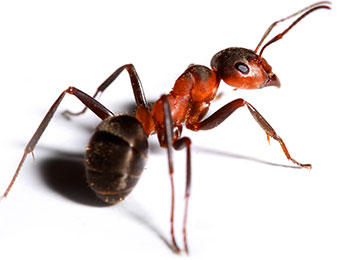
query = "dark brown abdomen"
{"x": 115, "y": 157}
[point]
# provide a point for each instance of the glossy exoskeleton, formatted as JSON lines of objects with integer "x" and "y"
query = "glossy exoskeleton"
{"x": 115, "y": 157}
{"x": 117, "y": 152}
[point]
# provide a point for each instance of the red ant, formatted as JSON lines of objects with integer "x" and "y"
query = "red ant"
{"x": 117, "y": 151}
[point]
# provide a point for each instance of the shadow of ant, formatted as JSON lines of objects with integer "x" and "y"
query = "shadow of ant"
{"x": 64, "y": 173}
{"x": 242, "y": 157}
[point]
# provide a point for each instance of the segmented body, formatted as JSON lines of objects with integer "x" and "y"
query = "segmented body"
{"x": 115, "y": 157}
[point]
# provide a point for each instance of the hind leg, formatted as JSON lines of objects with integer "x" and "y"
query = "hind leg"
{"x": 88, "y": 101}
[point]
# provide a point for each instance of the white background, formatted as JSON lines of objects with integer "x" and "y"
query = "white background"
{"x": 245, "y": 204}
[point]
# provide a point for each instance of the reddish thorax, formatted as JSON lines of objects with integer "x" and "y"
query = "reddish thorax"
{"x": 189, "y": 100}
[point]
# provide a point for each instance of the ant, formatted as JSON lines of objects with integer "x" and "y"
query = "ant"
{"x": 117, "y": 151}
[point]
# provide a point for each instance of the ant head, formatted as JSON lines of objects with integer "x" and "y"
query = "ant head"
{"x": 243, "y": 68}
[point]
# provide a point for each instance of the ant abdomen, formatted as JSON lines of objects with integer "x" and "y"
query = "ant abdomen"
{"x": 115, "y": 157}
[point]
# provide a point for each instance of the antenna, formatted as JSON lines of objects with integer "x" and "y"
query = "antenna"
{"x": 305, "y": 11}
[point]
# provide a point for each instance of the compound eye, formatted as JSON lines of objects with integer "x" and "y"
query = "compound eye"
{"x": 241, "y": 67}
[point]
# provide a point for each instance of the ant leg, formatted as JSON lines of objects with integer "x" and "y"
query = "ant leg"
{"x": 169, "y": 139}
{"x": 135, "y": 82}
{"x": 88, "y": 101}
{"x": 270, "y": 132}
{"x": 178, "y": 144}
{"x": 224, "y": 112}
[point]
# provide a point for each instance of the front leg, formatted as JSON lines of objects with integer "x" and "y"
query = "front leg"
{"x": 224, "y": 112}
